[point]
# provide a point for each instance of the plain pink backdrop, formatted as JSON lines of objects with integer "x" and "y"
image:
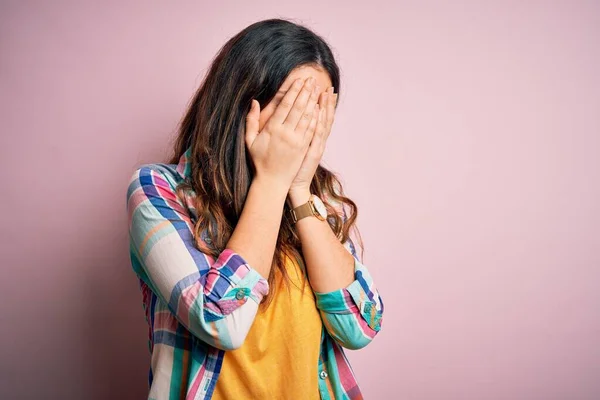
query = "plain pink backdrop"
{"x": 468, "y": 133}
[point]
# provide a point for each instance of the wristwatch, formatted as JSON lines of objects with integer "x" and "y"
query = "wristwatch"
{"x": 313, "y": 207}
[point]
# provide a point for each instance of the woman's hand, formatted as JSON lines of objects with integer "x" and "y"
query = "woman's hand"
{"x": 300, "y": 187}
{"x": 280, "y": 148}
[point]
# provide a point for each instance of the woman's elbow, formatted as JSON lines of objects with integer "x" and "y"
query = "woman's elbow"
{"x": 226, "y": 332}
{"x": 355, "y": 339}
{"x": 355, "y": 343}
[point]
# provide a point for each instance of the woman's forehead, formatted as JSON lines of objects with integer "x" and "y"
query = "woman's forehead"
{"x": 304, "y": 72}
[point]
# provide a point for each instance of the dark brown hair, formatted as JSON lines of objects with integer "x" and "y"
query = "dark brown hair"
{"x": 251, "y": 65}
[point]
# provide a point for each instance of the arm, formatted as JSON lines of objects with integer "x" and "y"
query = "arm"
{"x": 347, "y": 299}
{"x": 349, "y": 304}
{"x": 209, "y": 299}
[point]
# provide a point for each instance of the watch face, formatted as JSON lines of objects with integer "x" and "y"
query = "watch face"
{"x": 320, "y": 206}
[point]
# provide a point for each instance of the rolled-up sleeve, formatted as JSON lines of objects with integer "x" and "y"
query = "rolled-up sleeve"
{"x": 352, "y": 315}
{"x": 216, "y": 301}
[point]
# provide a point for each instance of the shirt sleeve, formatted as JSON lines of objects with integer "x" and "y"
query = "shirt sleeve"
{"x": 352, "y": 315}
{"x": 211, "y": 299}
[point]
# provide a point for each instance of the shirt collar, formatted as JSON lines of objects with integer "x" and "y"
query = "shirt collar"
{"x": 184, "y": 167}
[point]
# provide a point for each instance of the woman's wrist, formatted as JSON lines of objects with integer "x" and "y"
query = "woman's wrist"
{"x": 271, "y": 186}
{"x": 299, "y": 196}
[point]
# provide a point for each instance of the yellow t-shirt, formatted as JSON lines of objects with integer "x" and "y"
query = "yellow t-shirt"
{"x": 279, "y": 358}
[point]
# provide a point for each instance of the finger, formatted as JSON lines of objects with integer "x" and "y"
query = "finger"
{"x": 323, "y": 99}
{"x": 252, "y": 123}
{"x": 307, "y": 116}
{"x": 310, "y": 132}
{"x": 324, "y": 131}
{"x": 321, "y": 128}
{"x": 330, "y": 108}
{"x": 323, "y": 119}
{"x": 333, "y": 110}
{"x": 317, "y": 145}
{"x": 300, "y": 109}
{"x": 285, "y": 105}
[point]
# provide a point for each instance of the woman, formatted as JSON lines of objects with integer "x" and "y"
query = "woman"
{"x": 251, "y": 283}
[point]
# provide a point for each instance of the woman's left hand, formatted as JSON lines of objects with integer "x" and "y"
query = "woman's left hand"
{"x": 300, "y": 187}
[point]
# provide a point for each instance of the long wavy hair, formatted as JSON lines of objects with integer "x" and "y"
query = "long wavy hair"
{"x": 252, "y": 65}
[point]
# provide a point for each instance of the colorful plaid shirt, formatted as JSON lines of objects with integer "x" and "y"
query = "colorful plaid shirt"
{"x": 198, "y": 307}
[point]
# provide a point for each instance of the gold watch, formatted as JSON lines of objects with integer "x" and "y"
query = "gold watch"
{"x": 313, "y": 207}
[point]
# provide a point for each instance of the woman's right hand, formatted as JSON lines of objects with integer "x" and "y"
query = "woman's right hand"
{"x": 278, "y": 150}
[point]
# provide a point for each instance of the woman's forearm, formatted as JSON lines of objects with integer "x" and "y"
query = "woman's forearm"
{"x": 255, "y": 235}
{"x": 330, "y": 266}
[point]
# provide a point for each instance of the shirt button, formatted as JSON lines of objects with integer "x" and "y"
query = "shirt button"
{"x": 323, "y": 374}
{"x": 240, "y": 294}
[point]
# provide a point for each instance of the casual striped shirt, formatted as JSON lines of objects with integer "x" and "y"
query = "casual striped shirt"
{"x": 198, "y": 307}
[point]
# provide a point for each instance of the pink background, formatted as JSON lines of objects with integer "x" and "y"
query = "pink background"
{"x": 468, "y": 134}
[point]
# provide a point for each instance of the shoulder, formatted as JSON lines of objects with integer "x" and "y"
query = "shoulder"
{"x": 164, "y": 176}
{"x": 155, "y": 185}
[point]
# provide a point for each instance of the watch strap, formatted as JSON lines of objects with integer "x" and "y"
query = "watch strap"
{"x": 303, "y": 211}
